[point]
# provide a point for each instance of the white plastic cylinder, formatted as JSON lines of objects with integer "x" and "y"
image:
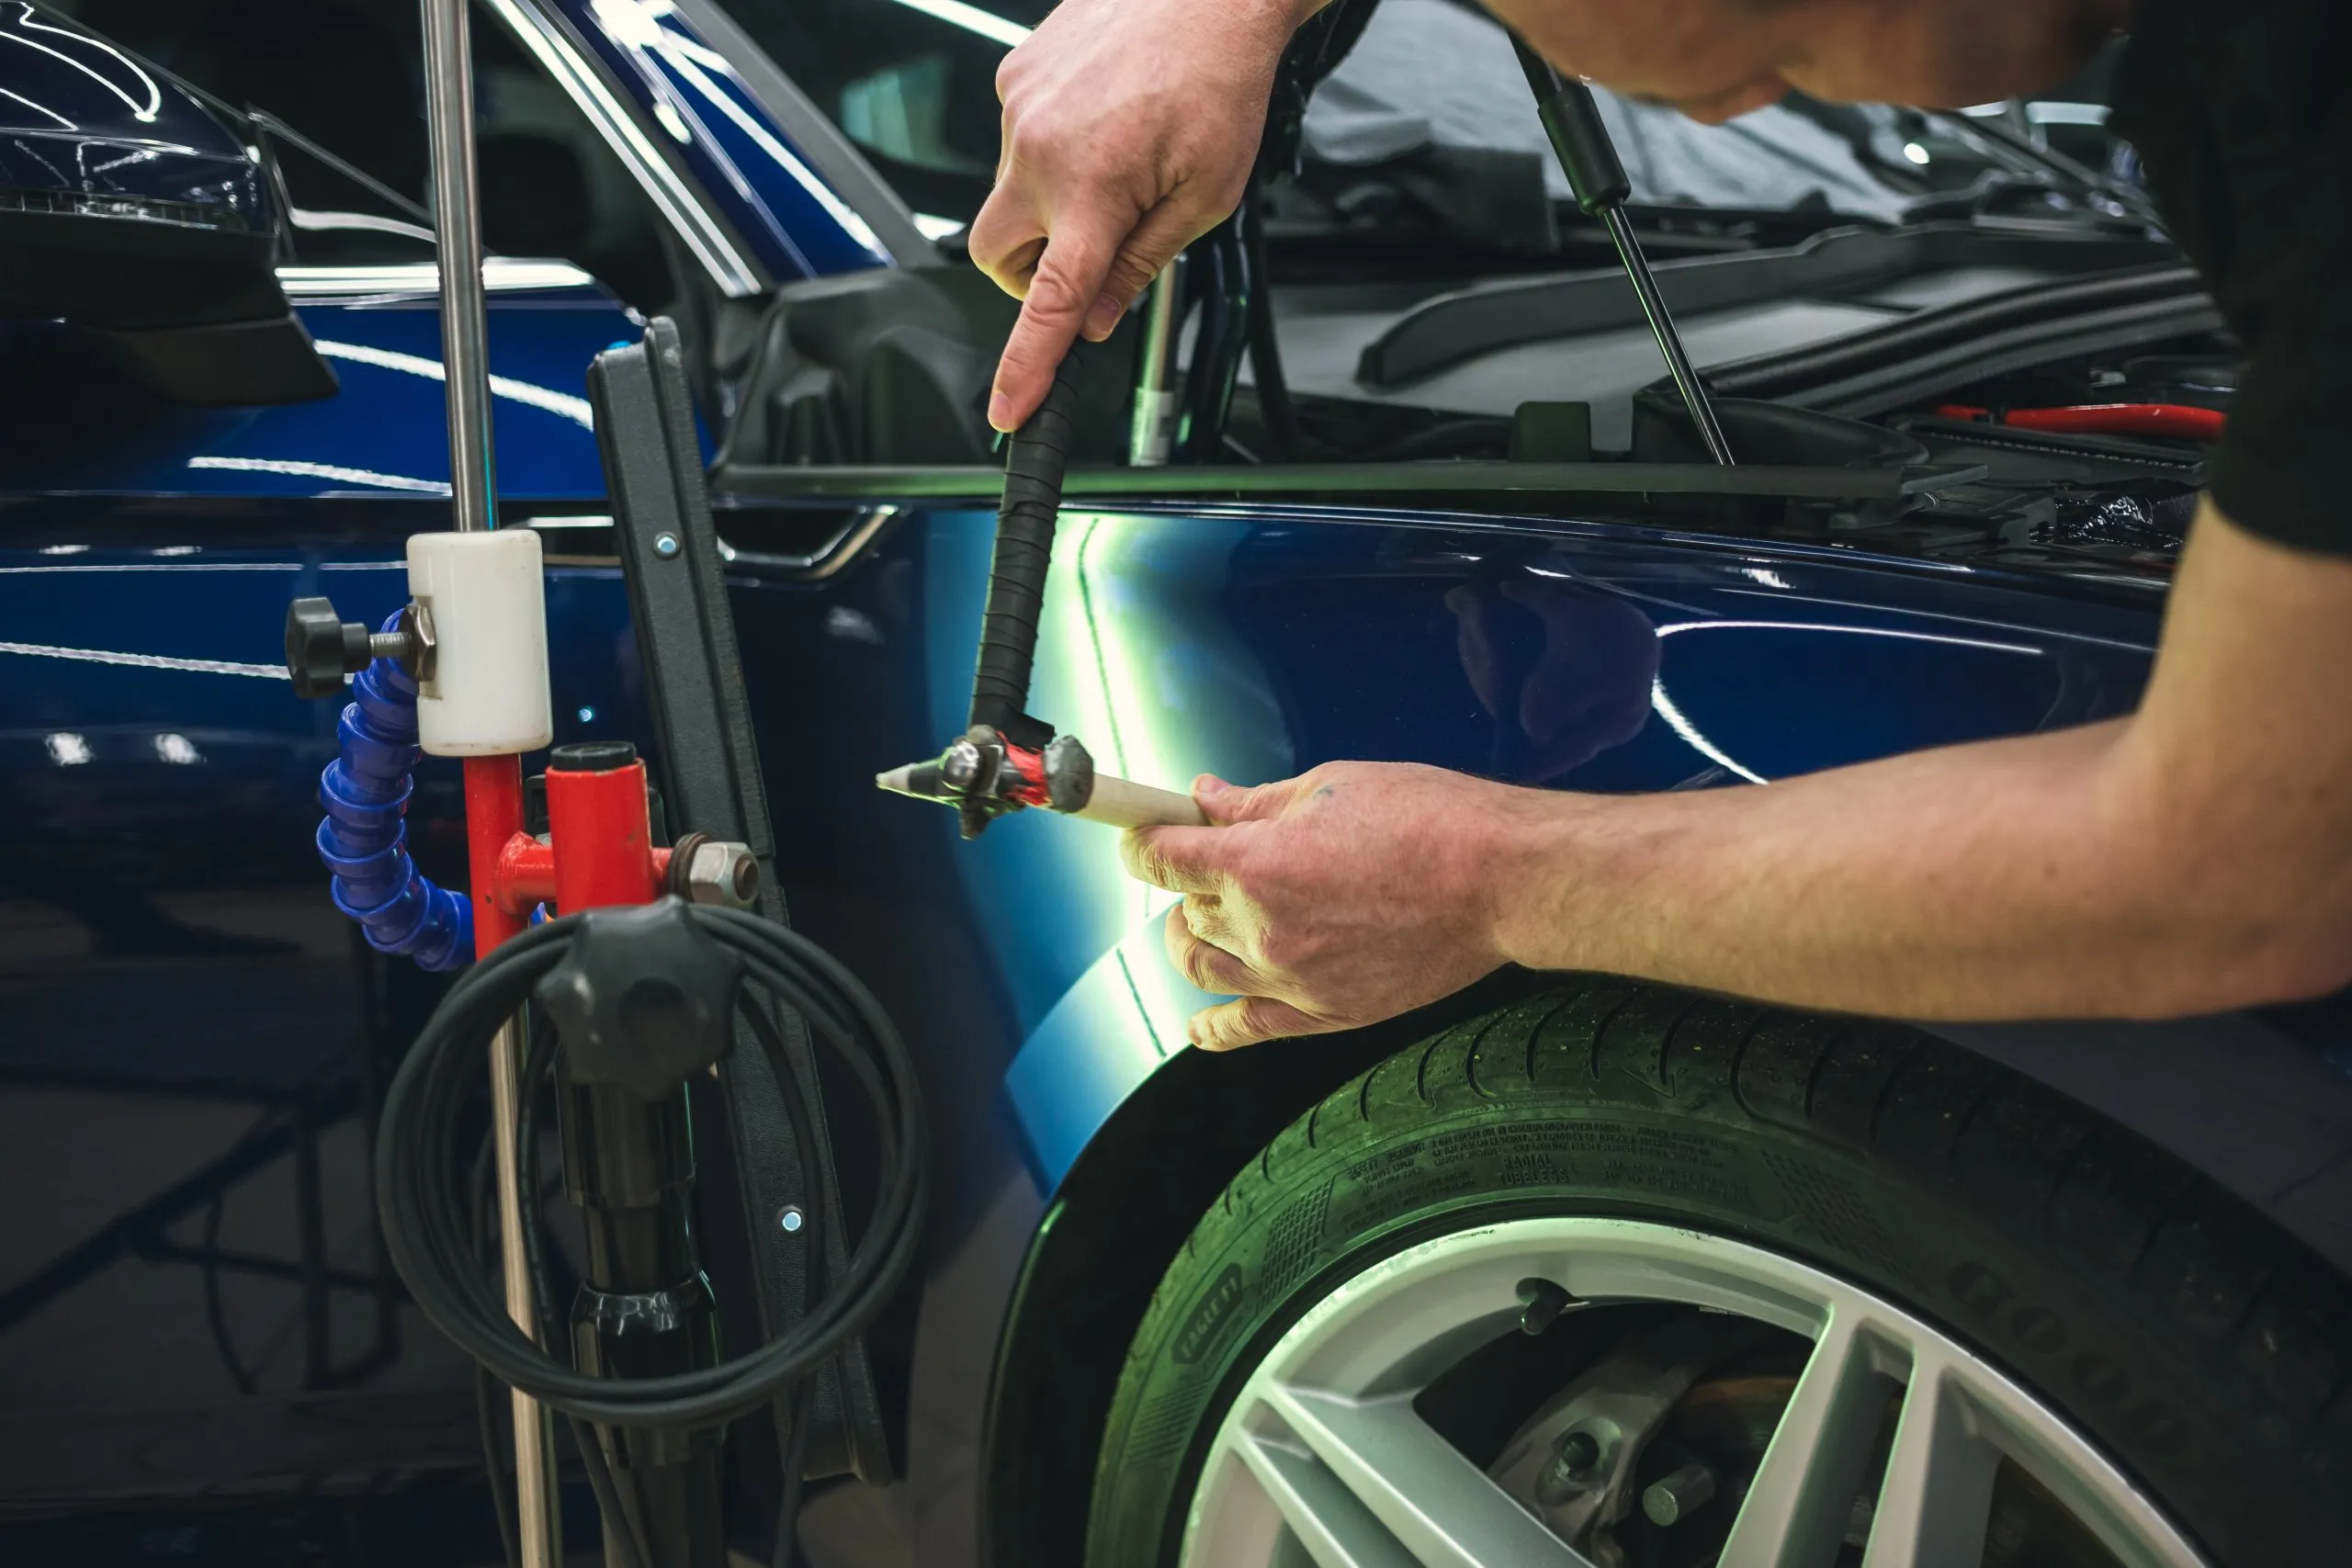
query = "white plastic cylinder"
{"x": 488, "y": 696}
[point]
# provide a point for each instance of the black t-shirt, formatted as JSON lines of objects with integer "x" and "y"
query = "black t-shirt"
{"x": 2242, "y": 113}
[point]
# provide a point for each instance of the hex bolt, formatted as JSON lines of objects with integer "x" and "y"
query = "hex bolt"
{"x": 1678, "y": 1497}
{"x": 665, "y": 544}
{"x": 722, "y": 873}
{"x": 790, "y": 1219}
{"x": 1574, "y": 1460}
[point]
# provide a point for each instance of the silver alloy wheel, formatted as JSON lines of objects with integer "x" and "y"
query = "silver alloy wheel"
{"x": 1323, "y": 1449}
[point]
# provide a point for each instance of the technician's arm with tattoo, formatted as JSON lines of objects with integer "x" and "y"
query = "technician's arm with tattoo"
{"x": 2193, "y": 857}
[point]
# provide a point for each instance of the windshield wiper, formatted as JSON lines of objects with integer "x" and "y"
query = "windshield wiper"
{"x": 2133, "y": 200}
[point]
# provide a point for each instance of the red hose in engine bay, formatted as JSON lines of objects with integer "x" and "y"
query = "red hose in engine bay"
{"x": 2181, "y": 422}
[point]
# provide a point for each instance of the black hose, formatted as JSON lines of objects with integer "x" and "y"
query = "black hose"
{"x": 1266, "y": 349}
{"x": 424, "y": 1213}
{"x": 1035, "y": 459}
{"x": 610, "y": 1506}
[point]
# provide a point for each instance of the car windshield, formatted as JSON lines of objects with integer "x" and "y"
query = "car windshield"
{"x": 1426, "y": 125}
{"x": 1435, "y": 76}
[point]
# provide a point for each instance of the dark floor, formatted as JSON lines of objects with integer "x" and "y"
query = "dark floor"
{"x": 444, "y": 1521}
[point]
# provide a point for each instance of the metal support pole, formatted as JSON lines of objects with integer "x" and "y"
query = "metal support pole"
{"x": 538, "y": 1514}
{"x": 1155, "y": 407}
{"x": 457, "y": 218}
{"x": 465, "y": 358}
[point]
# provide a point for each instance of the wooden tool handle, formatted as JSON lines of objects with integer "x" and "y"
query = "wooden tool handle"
{"x": 1122, "y": 802}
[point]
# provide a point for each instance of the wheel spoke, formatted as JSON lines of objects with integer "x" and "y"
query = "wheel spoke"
{"x": 1443, "y": 1510}
{"x": 1937, "y": 1494}
{"x": 1802, "y": 1498}
{"x": 1337, "y": 1531}
{"x": 1894, "y": 1435}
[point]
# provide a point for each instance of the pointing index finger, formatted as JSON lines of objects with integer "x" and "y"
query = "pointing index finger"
{"x": 1069, "y": 276}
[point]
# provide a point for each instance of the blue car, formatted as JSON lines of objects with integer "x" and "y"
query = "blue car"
{"x": 1565, "y": 1271}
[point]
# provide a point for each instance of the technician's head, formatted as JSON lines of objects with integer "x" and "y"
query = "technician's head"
{"x": 1715, "y": 59}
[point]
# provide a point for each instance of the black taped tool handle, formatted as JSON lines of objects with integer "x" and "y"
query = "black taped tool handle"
{"x": 1038, "y": 455}
{"x": 1579, "y": 136}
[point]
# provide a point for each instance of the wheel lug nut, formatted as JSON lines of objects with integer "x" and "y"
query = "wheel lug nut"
{"x": 1679, "y": 1495}
{"x": 1574, "y": 1459}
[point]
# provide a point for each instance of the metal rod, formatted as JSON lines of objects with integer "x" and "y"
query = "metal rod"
{"x": 539, "y": 1522}
{"x": 457, "y": 216}
{"x": 1155, "y": 407}
{"x": 473, "y": 488}
{"x": 1669, "y": 341}
{"x": 1580, "y": 141}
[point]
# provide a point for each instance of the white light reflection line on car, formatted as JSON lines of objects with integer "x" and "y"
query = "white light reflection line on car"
{"x": 39, "y": 108}
{"x": 1676, "y": 720}
{"x": 1673, "y": 627}
{"x": 972, "y": 19}
{"x": 303, "y": 470}
{"x": 150, "y": 566}
{"x": 148, "y": 661}
{"x": 154, "y": 93}
{"x": 561, "y": 404}
{"x": 499, "y": 274}
{"x": 1665, "y": 708}
{"x": 638, "y": 25}
{"x": 143, "y": 156}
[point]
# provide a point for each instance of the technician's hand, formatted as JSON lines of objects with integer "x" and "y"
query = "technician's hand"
{"x": 1129, "y": 130}
{"x": 1341, "y": 897}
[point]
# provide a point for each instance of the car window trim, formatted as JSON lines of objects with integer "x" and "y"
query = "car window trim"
{"x": 724, "y": 259}
{"x": 833, "y": 156}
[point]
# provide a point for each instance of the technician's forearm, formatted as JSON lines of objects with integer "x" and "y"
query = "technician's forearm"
{"x": 2014, "y": 878}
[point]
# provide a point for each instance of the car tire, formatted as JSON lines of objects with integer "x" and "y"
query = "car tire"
{"x": 2204, "y": 1353}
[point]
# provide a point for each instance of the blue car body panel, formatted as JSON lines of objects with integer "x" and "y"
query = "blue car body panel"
{"x": 183, "y": 1006}
{"x": 381, "y": 433}
{"x": 1255, "y": 645}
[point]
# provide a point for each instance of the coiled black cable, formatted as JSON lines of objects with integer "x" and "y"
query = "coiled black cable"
{"x": 422, "y": 1203}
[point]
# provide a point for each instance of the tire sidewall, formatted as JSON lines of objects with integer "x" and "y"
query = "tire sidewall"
{"x": 1288, "y": 1234}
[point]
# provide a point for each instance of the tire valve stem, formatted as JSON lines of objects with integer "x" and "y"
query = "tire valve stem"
{"x": 1541, "y": 1305}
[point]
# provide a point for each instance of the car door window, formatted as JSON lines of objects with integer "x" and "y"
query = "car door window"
{"x": 911, "y": 82}
{"x": 347, "y": 76}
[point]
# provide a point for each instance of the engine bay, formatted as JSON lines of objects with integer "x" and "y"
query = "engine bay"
{"x": 2043, "y": 400}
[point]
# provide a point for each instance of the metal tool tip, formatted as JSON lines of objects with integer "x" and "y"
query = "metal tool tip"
{"x": 899, "y": 780}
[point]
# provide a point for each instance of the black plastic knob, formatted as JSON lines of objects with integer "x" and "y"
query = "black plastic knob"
{"x": 321, "y": 648}
{"x": 644, "y": 998}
